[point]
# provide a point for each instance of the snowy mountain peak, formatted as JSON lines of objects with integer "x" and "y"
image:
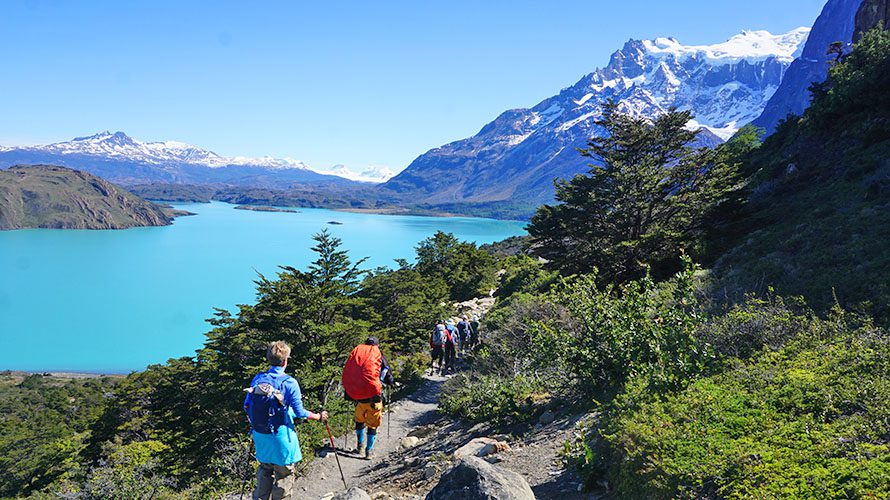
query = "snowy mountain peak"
{"x": 749, "y": 46}
{"x": 120, "y": 146}
{"x": 370, "y": 174}
{"x": 517, "y": 156}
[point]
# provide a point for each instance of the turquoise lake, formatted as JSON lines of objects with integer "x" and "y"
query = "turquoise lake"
{"x": 117, "y": 301}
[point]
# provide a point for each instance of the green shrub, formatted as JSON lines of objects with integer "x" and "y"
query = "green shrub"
{"x": 489, "y": 398}
{"x": 806, "y": 420}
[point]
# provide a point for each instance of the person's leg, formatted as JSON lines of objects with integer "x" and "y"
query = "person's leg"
{"x": 263, "y": 482}
{"x": 359, "y": 426}
{"x": 284, "y": 482}
{"x": 373, "y": 418}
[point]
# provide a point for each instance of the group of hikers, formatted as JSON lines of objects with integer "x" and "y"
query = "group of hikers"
{"x": 449, "y": 339}
{"x": 273, "y": 402}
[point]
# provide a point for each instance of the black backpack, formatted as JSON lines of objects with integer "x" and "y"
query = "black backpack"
{"x": 266, "y": 410}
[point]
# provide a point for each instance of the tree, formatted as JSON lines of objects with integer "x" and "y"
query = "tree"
{"x": 643, "y": 201}
{"x": 467, "y": 270}
{"x": 405, "y": 305}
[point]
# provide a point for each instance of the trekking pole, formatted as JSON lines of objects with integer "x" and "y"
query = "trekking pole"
{"x": 388, "y": 412}
{"x": 336, "y": 456}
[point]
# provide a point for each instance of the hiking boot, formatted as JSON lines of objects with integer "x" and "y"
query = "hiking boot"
{"x": 358, "y": 450}
{"x": 369, "y": 454}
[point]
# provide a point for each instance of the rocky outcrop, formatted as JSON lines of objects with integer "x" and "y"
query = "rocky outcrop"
{"x": 474, "y": 479}
{"x": 352, "y": 494}
{"x": 870, "y": 14}
{"x": 46, "y": 196}
{"x": 834, "y": 24}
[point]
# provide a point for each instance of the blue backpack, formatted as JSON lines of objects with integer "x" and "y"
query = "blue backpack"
{"x": 266, "y": 410}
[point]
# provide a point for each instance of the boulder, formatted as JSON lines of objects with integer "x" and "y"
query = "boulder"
{"x": 422, "y": 431}
{"x": 353, "y": 493}
{"x": 430, "y": 471}
{"x": 474, "y": 479}
{"x": 547, "y": 417}
{"x": 409, "y": 442}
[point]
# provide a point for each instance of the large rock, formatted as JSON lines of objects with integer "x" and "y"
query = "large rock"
{"x": 353, "y": 493}
{"x": 870, "y": 13}
{"x": 474, "y": 479}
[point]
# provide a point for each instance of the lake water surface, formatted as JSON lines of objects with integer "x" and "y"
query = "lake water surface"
{"x": 117, "y": 301}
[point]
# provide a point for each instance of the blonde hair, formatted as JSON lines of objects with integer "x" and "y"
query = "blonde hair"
{"x": 277, "y": 353}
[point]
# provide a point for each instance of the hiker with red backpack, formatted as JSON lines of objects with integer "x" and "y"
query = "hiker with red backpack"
{"x": 452, "y": 340}
{"x": 272, "y": 403}
{"x": 437, "y": 347}
{"x": 364, "y": 374}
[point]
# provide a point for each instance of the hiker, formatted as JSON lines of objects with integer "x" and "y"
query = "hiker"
{"x": 474, "y": 332}
{"x": 437, "y": 347}
{"x": 272, "y": 403}
{"x": 463, "y": 332}
{"x": 451, "y": 341}
{"x": 365, "y": 373}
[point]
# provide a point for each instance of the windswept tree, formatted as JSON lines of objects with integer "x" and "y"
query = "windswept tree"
{"x": 468, "y": 270}
{"x": 643, "y": 202}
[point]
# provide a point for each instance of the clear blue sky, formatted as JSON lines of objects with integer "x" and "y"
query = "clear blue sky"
{"x": 359, "y": 83}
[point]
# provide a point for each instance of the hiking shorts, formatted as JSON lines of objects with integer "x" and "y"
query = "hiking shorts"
{"x": 369, "y": 414}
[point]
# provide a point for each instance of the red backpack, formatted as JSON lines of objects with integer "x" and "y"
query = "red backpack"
{"x": 361, "y": 375}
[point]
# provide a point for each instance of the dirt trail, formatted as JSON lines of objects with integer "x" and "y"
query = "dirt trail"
{"x": 322, "y": 477}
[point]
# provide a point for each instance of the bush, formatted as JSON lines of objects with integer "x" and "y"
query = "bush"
{"x": 489, "y": 398}
{"x": 806, "y": 420}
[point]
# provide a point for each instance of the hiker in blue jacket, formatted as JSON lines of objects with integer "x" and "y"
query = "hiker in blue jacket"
{"x": 273, "y": 402}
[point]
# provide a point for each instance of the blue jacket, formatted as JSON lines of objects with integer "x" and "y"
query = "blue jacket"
{"x": 283, "y": 447}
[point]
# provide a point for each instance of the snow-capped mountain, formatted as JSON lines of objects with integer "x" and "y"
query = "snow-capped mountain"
{"x": 123, "y": 159}
{"x": 119, "y": 145}
{"x": 517, "y": 156}
{"x": 370, "y": 174}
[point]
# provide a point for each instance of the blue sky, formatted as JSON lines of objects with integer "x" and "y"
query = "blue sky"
{"x": 357, "y": 83}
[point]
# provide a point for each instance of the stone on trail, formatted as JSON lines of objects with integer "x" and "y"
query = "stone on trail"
{"x": 547, "y": 418}
{"x": 480, "y": 447}
{"x": 475, "y": 479}
{"x": 422, "y": 431}
{"x": 409, "y": 442}
{"x": 353, "y": 493}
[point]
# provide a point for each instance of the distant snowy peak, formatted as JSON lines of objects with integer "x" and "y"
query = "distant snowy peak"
{"x": 370, "y": 174}
{"x": 120, "y": 146}
{"x": 749, "y": 46}
{"x": 726, "y": 85}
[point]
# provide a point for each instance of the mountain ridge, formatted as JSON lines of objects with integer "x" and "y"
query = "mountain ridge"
{"x": 121, "y": 158}
{"x": 519, "y": 153}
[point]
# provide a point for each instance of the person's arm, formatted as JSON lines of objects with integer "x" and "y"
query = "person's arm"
{"x": 385, "y": 371}
{"x": 293, "y": 398}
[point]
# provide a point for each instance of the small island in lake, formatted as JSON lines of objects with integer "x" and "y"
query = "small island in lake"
{"x": 335, "y": 223}
{"x": 54, "y": 197}
{"x": 265, "y": 208}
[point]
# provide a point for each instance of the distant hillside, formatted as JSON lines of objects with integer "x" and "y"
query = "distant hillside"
{"x": 834, "y": 24}
{"x": 817, "y": 218}
{"x": 48, "y": 196}
{"x": 514, "y": 159}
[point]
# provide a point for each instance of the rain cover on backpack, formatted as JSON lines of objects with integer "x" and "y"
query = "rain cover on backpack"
{"x": 361, "y": 375}
{"x": 266, "y": 409}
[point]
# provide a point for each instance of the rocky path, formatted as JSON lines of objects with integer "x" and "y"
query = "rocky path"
{"x": 322, "y": 477}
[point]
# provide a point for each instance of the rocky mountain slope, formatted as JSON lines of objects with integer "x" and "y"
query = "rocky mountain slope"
{"x": 120, "y": 158}
{"x": 58, "y": 197}
{"x": 517, "y": 156}
{"x": 834, "y": 24}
